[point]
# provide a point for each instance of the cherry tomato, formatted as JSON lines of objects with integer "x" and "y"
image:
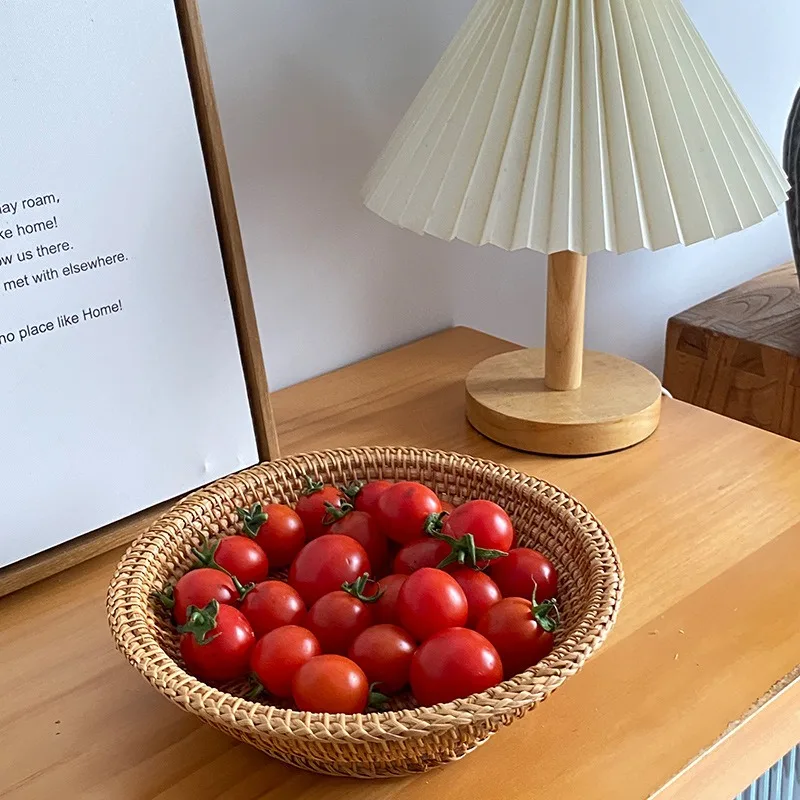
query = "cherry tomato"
{"x": 429, "y": 601}
{"x": 404, "y": 508}
{"x": 273, "y": 604}
{"x": 480, "y": 590}
{"x": 216, "y": 642}
{"x": 338, "y": 617}
{"x": 521, "y": 633}
{"x": 453, "y": 663}
{"x": 522, "y": 572}
{"x": 362, "y": 527}
{"x": 447, "y": 507}
{"x": 237, "y": 555}
{"x": 443, "y": 552}
{"x": 278, "y": 655}
{"x": 486, "y": 521}
{"x": 384, "y": 653}
{"x": 324, "y": 564}
{"x": 277, "y": 529}
{"x": 311, "y": 506}
{"x": 198, "y": 588}
{"x": 386, "y": 605}
{"x": 424, "y": 552}
{"x": 332, "y": 684}
{"x": 364, "y": 496}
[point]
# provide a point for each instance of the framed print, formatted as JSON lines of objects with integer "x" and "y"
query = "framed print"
{"x": 131, "y": 369}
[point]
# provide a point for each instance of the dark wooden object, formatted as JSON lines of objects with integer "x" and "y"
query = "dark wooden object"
{"x": 791, "y": 164}
{"x": 738, "y": 354}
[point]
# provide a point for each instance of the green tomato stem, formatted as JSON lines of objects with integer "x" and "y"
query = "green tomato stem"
{"x": 464, "y": 551}
{"x": 357, "y": 587}
{"x": 200, "y": 622}
{"x": 311, "y": 486}
{"x": 166, "y": 597}
{"x": 252, "y": 519}
{"x": 334, "y": 514}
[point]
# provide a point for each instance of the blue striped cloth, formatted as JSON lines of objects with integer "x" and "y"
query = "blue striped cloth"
{"x": 782, "y": 782}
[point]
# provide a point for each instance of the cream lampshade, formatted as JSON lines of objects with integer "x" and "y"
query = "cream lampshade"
{"x": 570, "y": 127}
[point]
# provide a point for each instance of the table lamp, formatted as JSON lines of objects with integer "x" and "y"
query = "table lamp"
{"x": 570, "y": 127}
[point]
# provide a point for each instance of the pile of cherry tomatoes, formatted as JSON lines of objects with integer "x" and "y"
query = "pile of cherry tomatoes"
{"x": 389, "y": 588}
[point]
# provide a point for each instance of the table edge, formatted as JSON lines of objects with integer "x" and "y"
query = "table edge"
{"x": 770, "y": 709}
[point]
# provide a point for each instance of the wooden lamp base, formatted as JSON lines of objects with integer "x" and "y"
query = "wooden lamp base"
{"x": 617, "y": 405}
{"x": 562, "y": 400}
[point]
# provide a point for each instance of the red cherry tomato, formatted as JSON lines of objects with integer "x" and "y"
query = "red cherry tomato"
{"x": 386, "y": 605}
{"x": 364, "y": 496}
{"x": 429, "y": 601}
{"x": 447, "y": 507}
{"x": 277, "y": 529}
{"x": 489, "y": 525}
{"x": 198, "y": 588}
{"x": 237, "y": 555}
{"x": 338, "y": 617}
{"x": 278, "y": 655}
{"x": 446, "y": 554}
{"x": 332, "y": 684}
{"x": 480, "y": 590}
{"x": 324, "y": 564}
{"x": 362, "y": 527}
{"x": 311, "y": 506}
{"x": 520, "y": 633}
{"x": 216, "y": 642}
{"x": 453, "y": 663}
{"x": 523, "y": 571}
{"x": 404, "y": 508}
{"x": 273, "y": 604}
{"x": 384, "y": 653}
{"x": 425, "y": 552}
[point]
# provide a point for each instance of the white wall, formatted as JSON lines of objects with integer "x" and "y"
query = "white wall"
{"x": 309, "y": 92}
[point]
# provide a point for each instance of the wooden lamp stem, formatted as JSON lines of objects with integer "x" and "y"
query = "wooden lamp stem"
{"x": 566, "y": 307}
{"x": 562, "y": 400}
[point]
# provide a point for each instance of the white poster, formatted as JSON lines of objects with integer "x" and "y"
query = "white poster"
{"x": 120, "y": 378}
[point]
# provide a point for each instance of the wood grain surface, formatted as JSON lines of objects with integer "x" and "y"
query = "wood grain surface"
{"x": 739, "y": 353}
{"x": 566, "y": 312}
{"x": 706, "y": 515}
{"x": 617, "y": 404}
{"x": 762, "y": 735}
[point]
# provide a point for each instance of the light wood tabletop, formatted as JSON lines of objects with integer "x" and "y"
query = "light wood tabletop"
{"x": 692, "y": 696}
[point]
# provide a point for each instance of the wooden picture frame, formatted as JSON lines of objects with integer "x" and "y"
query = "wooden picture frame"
{"x": 54, "y": 560}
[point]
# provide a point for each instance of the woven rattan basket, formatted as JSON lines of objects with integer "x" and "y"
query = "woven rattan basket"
{"x": 407, "y": 739}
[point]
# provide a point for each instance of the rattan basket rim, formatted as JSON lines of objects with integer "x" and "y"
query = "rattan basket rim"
{"x": 130, "y": 620}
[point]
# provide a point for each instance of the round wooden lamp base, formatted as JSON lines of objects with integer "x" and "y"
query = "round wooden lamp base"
{"x": 617, "y": 405}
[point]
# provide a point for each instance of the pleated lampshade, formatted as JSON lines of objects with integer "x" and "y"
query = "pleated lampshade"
{"x": 579, "y": 125}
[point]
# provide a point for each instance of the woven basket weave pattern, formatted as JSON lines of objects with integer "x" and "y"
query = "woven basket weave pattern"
{"x": 406, "y": 739}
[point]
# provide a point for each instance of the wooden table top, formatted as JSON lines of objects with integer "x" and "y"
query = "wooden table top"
{"x": 706, "y": 515}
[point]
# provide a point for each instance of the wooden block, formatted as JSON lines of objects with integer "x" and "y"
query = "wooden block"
{"x": 738, "y": 354}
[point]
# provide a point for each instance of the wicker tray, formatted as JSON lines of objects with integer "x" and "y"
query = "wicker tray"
{"x": 406, "y": 739}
